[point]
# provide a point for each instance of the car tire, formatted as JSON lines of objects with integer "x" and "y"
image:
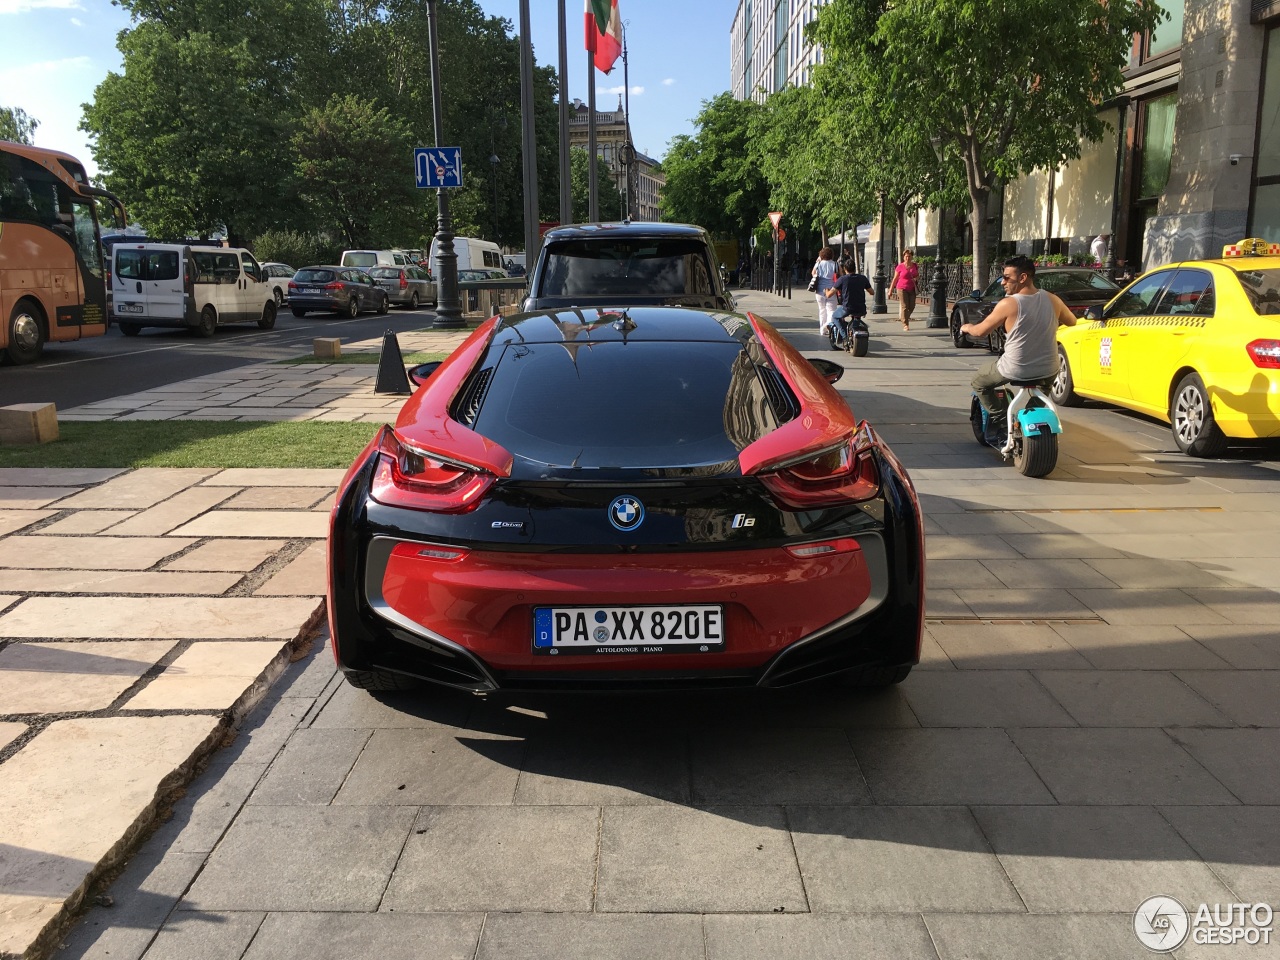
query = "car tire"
{"x": 1195, "y": 431}
{"x": 353, "y": 307}
{"x": 1063, "y": 390}
{"x": 208, "y": 322}
{"x": 268, "y": 318}
{"x": 299, "y": 312}
{"x": 413, "y": 300}
{"x": 129, "y": 329}
{"x": 26, "y": 333}
{"x": 380, "y": 680}
{"x": 278, "y": 297}
{"x": 958, "y": 339}
{"x": 867, "y": 678}
{"x": 385, "y": 305}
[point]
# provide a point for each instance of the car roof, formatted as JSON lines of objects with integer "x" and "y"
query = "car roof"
{"x": 624, "y": 324}
{"x": 581, "y": 231}
{"x": 326, "y": 266}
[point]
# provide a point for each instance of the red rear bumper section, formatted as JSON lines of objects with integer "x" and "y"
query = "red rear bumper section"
{"x": 464, "y": 617}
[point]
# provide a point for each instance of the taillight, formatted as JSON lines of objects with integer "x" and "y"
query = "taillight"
{"x": 1265, "y": 354}
{"x": 410, "y": 478}
{"x": 333, "y": 286}
{"x": 840, "y": 474}
{"x": 292, "y": 285}
{"x": 827, "y": 548}
{"x": 404, "y": 284}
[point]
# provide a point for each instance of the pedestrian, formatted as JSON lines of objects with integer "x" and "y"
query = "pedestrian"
{"x": 851, "y": 288}
{"x": 1101, "y": 244}
{"x": 824, "y": 271}
{"x": 906, "y": 281}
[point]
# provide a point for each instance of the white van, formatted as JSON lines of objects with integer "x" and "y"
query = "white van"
{"x": 472, "y": 254}
{"x": 181, "y": 285}
{"x": 364, "y": 259}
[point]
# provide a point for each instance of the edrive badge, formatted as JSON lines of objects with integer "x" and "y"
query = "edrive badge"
{"x": 626, "y": 513}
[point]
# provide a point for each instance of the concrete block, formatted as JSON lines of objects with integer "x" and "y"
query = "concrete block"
{"x": 28, "y": 423}
{"x": 326, "y": 348}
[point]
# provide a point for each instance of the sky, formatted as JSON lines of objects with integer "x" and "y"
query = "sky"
{"x": 58, "y": 51}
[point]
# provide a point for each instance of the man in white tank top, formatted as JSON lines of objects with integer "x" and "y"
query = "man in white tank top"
{"x": 1030, "y": 318}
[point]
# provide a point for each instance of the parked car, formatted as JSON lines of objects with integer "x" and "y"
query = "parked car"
{"x": 1079, "y": 287}
{"x": 488, "y": 273}
{"x": 472, "y": 254}
{"x": 341, "y": 290}
{"x": 1195, "y": 344}
{"x": 604, "y": 264}
{"x": 278, "y": 276}
{"x": 407, "y": 286}
{"x": 364, "y": 259}
{"x": 740, "y": 528}
{"x": 187, "y": 285}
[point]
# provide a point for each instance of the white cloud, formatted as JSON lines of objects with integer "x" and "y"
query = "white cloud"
{"x": 635, "y": 91}
{"x": 77, "y": 22}
{"x": 669, "y": 82}
{"x": 18, "y": 76}
{"x": 26, "y": 6}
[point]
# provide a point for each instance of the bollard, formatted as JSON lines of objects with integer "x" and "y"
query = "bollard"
{"x": 391, "y": 374}
{"x": 326, "y": 348}
{"x": 29, "y": 423}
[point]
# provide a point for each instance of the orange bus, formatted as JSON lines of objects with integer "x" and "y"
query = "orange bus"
{"x": 53, "y": 285}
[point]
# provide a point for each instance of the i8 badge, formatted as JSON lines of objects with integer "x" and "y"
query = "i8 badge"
{"x": 626, "y": 513}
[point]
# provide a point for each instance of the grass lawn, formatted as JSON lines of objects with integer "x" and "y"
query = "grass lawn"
{"x": 194, "y": 443}
{"x": 410, "y": 359}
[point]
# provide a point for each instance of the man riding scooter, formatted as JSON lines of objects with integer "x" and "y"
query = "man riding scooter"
{"x": 1030, "y": 317}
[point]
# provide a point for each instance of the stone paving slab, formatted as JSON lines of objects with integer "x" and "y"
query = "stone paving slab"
{"x": 257, "y": 523}
{"x": 198, "y": 618}
{"x": 62, "y": 477}
{"x": 226, "y": 555}
{"x": 32, "y": 498}
{"x": 816, "y": 937}
{"x": 14, "y": 520}
{"x": 165, "y": 517}
{"x": 388, "y": 936}
{"x": 70, "y": 797}
{"x": 120, "y": 582}
{"x": 137, "y": 489}
{"x": 25, "y": 552}
{"x": 85, "y": 522}
{"x": 276, "y": 477}
{"x": 10, "y": 732}
{"x": 211, "y": 675}
{"x": 306, "y": 575}
{"x": 72, "y": 677}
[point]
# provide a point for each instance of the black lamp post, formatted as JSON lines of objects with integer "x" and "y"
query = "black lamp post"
{"x": 880, "y": 304}
{"x": 938, "y": 298}
{"x": 448, "y": 303}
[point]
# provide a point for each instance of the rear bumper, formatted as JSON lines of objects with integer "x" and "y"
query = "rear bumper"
{"x": 470, "y": 625}
{"x": 331, "y": 304}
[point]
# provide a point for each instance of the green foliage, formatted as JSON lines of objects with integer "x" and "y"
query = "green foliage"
{"x": 194, "y": 443}
{"x": 606, "y": 190}
{"x": 712, "y": 178}
{"x": 17, "y": 125}
{"x": 296, "y": 248}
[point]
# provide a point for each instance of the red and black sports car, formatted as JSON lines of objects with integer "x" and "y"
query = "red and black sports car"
{"x": 647, "y": 497}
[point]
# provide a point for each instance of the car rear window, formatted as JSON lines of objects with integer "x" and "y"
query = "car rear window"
{"x": 313, "y": 276}
{"x": 386, "y": 273}
{"x": 621, "y": 405}
{"x": 1262, "y": 287}
{"x": 635, "y": 266}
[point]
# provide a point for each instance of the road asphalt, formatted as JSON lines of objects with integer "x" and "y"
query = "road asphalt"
{"x": 1095, "y": 721}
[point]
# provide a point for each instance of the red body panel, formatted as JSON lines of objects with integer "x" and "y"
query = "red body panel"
{"x": 485, "y": 600}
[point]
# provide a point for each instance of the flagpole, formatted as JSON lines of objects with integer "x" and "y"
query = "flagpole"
{"x": 628, "y": 150}
{"x": 528, "y": 139}
{"x": 566, "y": 177}
{"x": 593, "y": 187}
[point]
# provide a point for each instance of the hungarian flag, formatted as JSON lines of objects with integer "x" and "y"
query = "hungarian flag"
{"x": 604, "y": 33}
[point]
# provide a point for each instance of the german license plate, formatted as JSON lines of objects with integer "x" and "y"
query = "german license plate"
{"x": 603, "y": 630}
{"x": 310, "y": 291}
{"x": 128, "y": 308}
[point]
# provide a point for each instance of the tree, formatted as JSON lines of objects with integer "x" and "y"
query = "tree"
{"x": 713, "y": 179}
{"x": 17, "y": 125}
{"x": 607, "y": 191}
{"x": 344, "y": 150}
{"x": 1002, "y": 86}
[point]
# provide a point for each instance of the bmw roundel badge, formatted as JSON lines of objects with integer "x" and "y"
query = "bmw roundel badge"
{"x": 626, "y": 513}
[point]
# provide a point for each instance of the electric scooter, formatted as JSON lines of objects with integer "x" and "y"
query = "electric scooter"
{"x": 849, "y": 334}
{"x": 1031, "y": 439}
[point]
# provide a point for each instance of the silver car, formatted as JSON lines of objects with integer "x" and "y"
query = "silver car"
{"x": 408, "y": 286}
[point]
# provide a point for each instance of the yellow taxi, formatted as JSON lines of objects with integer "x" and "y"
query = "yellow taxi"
{"x": 1196, "y": 344}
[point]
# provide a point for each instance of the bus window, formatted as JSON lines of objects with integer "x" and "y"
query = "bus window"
{"x": 86, "y": 231}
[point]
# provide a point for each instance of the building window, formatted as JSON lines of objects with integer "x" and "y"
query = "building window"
{"x": 1167, "y": 36}
{"x": 1157, "y": 145}
{"x": 1265, "y": 221}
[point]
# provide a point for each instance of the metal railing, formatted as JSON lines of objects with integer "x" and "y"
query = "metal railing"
{"x": 484, "y": 298}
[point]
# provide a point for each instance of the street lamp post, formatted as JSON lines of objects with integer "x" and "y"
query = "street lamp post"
{"x": 448, "y": 303}
{"x": 880, "y": 304}
{"x": 938, "y": 298}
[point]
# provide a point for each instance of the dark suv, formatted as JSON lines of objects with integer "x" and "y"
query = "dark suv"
{"x": 627, "y": 264}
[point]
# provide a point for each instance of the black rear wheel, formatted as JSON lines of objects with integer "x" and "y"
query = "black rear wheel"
{"x": 268, "y": 318}
{"x": 860, "y": 346}
{"x": 413, "y": 300}
{"x": 130, "y": 329}
{"x": 26, "y": 333}
{"x": 299, "y": 312}
{"x": 1035, "y": 455}
{"x": 833, "y": 338}
{"x": 353, "y": 307}
{"x": 975, "y": 421}
{"x": 208, "y": 324}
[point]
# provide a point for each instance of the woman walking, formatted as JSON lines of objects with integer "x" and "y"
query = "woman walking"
{"x": 906, "y": 281}
{"x": 824, "y": 270}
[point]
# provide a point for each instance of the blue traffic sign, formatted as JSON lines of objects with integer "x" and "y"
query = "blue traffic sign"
{"x": 435, "y": 167}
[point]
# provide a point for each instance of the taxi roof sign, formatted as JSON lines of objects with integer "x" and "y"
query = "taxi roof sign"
{"x": 1255, "y": 247}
